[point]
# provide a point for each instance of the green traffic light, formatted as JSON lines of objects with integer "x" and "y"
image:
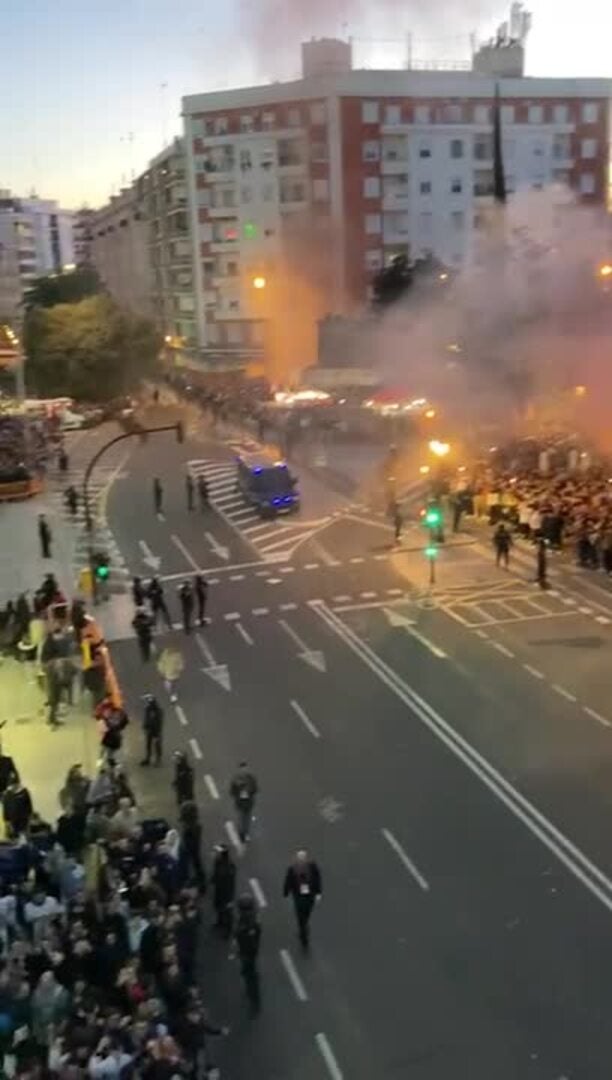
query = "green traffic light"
{"x": 431, "y": 551}
{"x": 433, "y": 517}
{"x": 102, "y": 572}
{"x": 250, "y": 230}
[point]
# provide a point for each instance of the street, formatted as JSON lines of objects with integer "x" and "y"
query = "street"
{"x": 443, "y": 754}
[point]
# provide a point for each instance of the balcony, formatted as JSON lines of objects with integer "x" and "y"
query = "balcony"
{"x": 291, "y": 166}
{"x": 400, "y": 236}
{"x": 396, "y": 200}
{"x": 222, "y": 211}
{"x": 293, "y": 205}
{"x": 220, "y": 247}
{"x": 393, "y": 164}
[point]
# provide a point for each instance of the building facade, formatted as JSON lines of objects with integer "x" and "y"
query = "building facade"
{"x": 321, "y": 182}
{"x": 120, "y": 250}
{"x": 83, "y": 236}
{"x": 32, "y": 243}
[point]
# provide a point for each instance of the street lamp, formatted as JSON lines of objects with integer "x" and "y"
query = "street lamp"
{"x": 440, "y": 449}
{"x": 605, "y": 270}
{"x": 259, "y": 282}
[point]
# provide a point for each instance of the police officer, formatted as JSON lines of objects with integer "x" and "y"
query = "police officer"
{"x": 158, "y": 496}
{"x": 186, "y": 598}
{"x": 143, "y": 625}
{"x": 247, "y": 937}
{"x": 189, "y": 489}
{"x": 502, "y": 542}
{"x": 200, "y": 586}
{"x": 72, "y": 500}
{"x": 243, "y": 790}
{"x": 223, "y": 880}
{"x": 396, "y": 519}
{"x": 153, "y": 723}
{"x": 138, "y": 592}
{"x": 203, "y": 492}
{"x": 183, "y": 782}
{"x": 158, "y": 602}
{"x": 303, "y": 884}
{"x": 542, "y": 564}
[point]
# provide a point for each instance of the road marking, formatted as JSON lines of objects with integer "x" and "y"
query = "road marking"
{"x": 563, "y": 692}
{"x": 176, "y": 540}
{"x": 261, "y": 611}
{"x": 261, "y": 573}
{"x": 232, "y": 832}
{"x": 213, "y": 570}
{"x": 205, "y": 649}
{"x": 310, "y": 566}
{"x": 180, "y": 712}
{"x": 307, "y": 722}
{"x": 298, "y": 986}
{"x": 357, "y": 559}
{"x": 534, "y": 671}
{"x": 237, "y": 577}
{"x": 397, "y": 620}
{"x": 569, "y": 600}
{"x": 258, "y": 893}
{"x": 394, "y": 592}
{"x": 313, "y": 657}
{"x": 244, "y": 634}
{"x": 342, "y": 599}
{"x": 195, "y": 747}
{"x": 328, "y": 1057}
{"x": 602, "y": 619}
{"x": 324, "y": 554}
{"x": 482, "y": 634}
{"x": 150, "y": 560}
{"x": 231, "y": 616}
{"x": 502, "y": 649}
{"x": 274, "y": 581}
{"x": 288, "y": 607}
{"x": 404, "y": 859}
{"x": 287, "y": 570}
{"x": 585, "y": 610}
{"x": 596, "y": 716}
{"x": 212, "y": 787}
{"x": 218, "y": 549}
{"x": 368, "y": 595}
{"x": 380, "y": 558}
{"x": 583, "y": 869}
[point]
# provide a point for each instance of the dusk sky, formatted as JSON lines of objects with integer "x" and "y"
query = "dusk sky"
{"x": 78, "y": 76}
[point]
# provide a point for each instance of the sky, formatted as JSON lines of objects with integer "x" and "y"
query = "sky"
{"x": 90, "y": 90}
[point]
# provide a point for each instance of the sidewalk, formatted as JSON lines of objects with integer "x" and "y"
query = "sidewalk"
{"x": 22, "y": 567}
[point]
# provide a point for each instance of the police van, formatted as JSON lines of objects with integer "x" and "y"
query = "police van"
{"x": 267, "y": 484}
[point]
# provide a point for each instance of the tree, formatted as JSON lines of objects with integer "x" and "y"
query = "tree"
{"x": 66, "y": 288}
{"x": 92, "y": 350}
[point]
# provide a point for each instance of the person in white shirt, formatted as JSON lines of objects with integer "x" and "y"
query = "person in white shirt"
{"x": 38, "y": 913}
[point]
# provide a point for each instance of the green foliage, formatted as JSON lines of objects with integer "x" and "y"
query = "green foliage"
{"x": 66, "y": 288}
{"x": 91, "y": 350}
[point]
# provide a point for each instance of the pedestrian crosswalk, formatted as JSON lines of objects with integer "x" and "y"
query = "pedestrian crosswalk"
{"x": 101, "y": 536}
{"x": 276, "y": 538}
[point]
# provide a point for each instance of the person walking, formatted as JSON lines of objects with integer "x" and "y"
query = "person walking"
{"x": 62, "y": 460}
{"x": 183, "y": 782}
{"x": 190, "y": 491}
{"x": 139, "y": 594}
{"x": 542, "y": 564}
{"x": 304, "y": 885}
{"x": 223, "y": 880}
{"x": 157, "y": 600}
{"x": 203, "y": 492}
{"x": 247, "y": 938}
{"x": 72, "y": 500}
{"x": 243, "y": 790}
{"x": 502, "y": 542}
{"x": 190, "y": 851}
{"x": 153, "y": 724}
{"x": 186, "y": 599}
{"x": 397, "y": 520}
{"x": 200, "y": 586}
{"x": 143, "y": 626}
{"x": 158, "y": 496}
{"x": 170, "y": 666}
{"x": 45, "y": 537}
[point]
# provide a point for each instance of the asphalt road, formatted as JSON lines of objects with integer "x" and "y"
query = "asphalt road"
{"x": 444, "y": 754}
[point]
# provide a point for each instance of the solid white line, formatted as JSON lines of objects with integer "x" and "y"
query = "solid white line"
{"x": 534, "y": 671}
{"x": 258, "y": 893}
{"x": 244, "y": 634}
{"x": 212, "y": 787}
{"x": 195, "y": 747}
{"x": 328, "y": 1057}
{"x": 563, "y": 692}
{"x": 298, "y": 986}
{"x": 297, "y": 708}
{"x": 403, "y": 857}
{"x": 176, "y": 540}
{"x": 502, "y": 649}
{"x": 180, "y": 712}
{"x": 596, "y": 716}
{"x": 295, "y": 637}
{"x": 205, "y": 649}
{"x": 575, "y": 860}
{"x": 231, "y": 831}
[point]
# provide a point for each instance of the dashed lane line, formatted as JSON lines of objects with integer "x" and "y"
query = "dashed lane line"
{"x": 180, "y": 712}
{"x": 534, "y": 671}
{"x": 596, "y": 716}
{"x": 563, "y": 692}
{"x": 212, "y": 787}
{"x": 244, "y": 634}
{"x": 261, "y": 611}
{"x": 307, "y": 722}
{"x": 232, "y": 616}
{"x": 195, "y": 749}
{"x": 291, "y": 971}
{"x": 328, "y": 1056}
{"x": 405, "y": 860}
{"x": 502, "y": 649}
{"x": 234, "y": 839}
{"x": 258, "y": 893}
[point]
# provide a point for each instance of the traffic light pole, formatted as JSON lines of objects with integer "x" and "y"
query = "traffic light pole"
{"x": 432, "y": 569}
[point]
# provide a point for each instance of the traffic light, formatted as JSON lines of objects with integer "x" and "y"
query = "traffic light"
{"x": 433, "y": 517}
{"x": 250, "y": 230}
{"x": 101, "y": 566}
{"x": 431, "y": 551}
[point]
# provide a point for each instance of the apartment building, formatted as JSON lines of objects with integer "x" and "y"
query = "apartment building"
{"x": 342, "y": 170}
{"x": 162, "y": 192}
{"x": 25, "y": 252}
{"x": 83, "y": 235}
{"x": 120, "y": 250}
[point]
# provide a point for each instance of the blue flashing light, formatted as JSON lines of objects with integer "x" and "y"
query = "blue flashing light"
{"x": 257, "y": 470}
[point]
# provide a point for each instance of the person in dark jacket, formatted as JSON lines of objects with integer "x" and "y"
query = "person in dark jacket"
{"x": 158, "y": 496}
{"x": 189, "y": 490}
{"x": 143, "y": 626}
{"x": 303, "y": 884}
{"x": 203, "y": 492}
{"x": 8, "y": 770}
{"x": 502, "y": 542}
{"x": 243, "y": 790}
{"x": 45, "y": 537}
{"x": 200, "y": 588}
{"x": 17, "y": 808}
{"x": 190, "y": 852}
{"x": 153, "y": 723}
{"x": 223, "y": 880}
{"x": 186, "y": 599}
{"x": 139, "y": 595}
{"x": 157, "y": 600}
{"x": 183, "y": 782}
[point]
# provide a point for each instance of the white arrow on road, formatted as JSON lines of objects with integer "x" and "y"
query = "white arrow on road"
{"x": 154, "y": 561}
{"x": 396, "y": 619}
{"x": 218, "y": 549}
{"x": 313, "y": 657}
{"x": 219, "y": 673}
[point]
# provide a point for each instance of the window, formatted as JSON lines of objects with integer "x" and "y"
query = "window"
{"x": 424, "y": 150}
{"x": 267, "y": 192}
{"x": 267, "y": 121}
{"x": 370, "y": 150}
{"x": 560, "y": 114}
{"x": 246, "y": 123}
{"x": 483, "y": 183}
{"x": 590, "y": 112}
{"x": 562, "y": 147}
{"x": 318, "y": 151}
{"x": 227, "y": 197}
{"x": 371, "y": 187}
{"x": 373, "y": 260}
{"x": 507, "y": 114}
{"x": 369, "y": 112}
{"x": 221, "y": 125}
{"x": 203, "y": 196}
{"x": 317, "y": 112}
{"x": 587, "y": 184}
{"x": 588, "y": 148}
{"x": 234, "y": 333}
{"x": 451, "y": 114}
{"x": 212, "y": 333}
{"x": 425, "y": 224}
{"x": 456, "y": 148}
{"x": 422, "y": 114}
{"x": 246, "y": 162}
{"x": 561, "y": 176}
{"x": 231, "y": 269}
{"x": 246, "y": 194}
{"x": 320, "y": 190}
{"x": 425, "y": 187}
{"x": 456, "y": 185}
{"x": 509, "y": 148}
{"x": 457, "y": 219}
{"x": 535, "y": 114}
{"x": 294, "y": 118}
{"x": 393, "y": 114}
{"x": 483, "y": 147}
{"x": 538, "y": 149}
{"x": 373, "y": 224}
{"x": 482, "y": 114}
